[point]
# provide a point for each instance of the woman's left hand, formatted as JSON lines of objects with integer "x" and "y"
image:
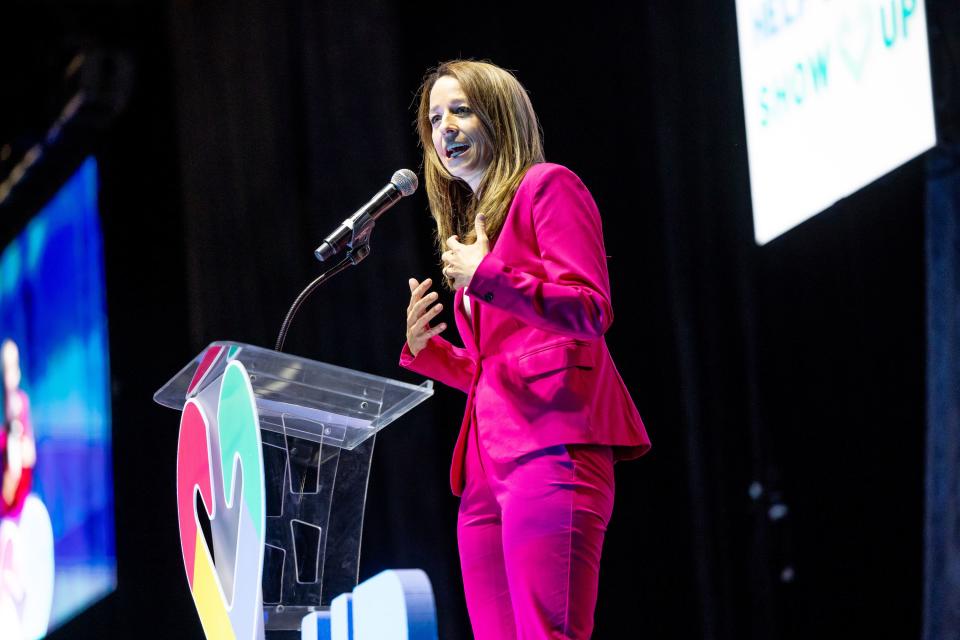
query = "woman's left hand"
{"x": 460, "y": 261}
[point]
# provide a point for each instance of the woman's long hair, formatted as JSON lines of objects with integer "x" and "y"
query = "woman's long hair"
{"x": 513, "y": 141}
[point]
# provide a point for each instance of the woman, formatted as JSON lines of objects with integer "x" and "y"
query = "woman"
{"x": 18, "y": 452}
{"x": 547, "y": 413}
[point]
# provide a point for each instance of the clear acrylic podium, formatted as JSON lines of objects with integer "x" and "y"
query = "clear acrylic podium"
{"x": 317, "y": 425}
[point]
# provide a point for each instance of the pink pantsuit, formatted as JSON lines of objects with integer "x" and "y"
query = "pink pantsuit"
{"x": 546, "y": 416}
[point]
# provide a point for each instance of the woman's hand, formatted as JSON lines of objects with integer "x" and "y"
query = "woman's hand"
{"x": 460, "y": 261}
{"x": 419, "y": 330}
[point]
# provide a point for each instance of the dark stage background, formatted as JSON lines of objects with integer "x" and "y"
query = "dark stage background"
{"x": 791, "y": 374}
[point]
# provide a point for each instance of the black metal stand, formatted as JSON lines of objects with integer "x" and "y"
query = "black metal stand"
{"x": 359, "y": 246}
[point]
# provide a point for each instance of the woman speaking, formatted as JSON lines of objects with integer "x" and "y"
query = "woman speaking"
{"x": 547, "y": 414}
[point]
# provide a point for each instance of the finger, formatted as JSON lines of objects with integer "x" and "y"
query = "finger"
{"x": 435, "y": 330}
{"x": 429, "y": 313}
{"x": 416, "y": 294}
{"x": 416, "y": 311}
{"x": 453, "y": 242}
{"x": 433, "y": 311}
{"x": 422, "y": 324}
{"x": 414, "y": 285}
{"x": 423, "y": 287}
{"x": 423, "y": 303}
{"x": 480, "y": 225}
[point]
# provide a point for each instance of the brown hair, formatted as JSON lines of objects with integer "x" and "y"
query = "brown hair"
{"x": 513, "y": 142}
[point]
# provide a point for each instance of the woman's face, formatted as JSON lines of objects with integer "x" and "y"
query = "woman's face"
{"x": 457, "y": 132}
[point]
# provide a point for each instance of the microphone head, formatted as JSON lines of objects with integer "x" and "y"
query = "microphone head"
{"x": 405, "y": 181}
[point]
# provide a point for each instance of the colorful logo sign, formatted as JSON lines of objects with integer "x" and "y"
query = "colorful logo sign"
{"x": 219, "y": 457}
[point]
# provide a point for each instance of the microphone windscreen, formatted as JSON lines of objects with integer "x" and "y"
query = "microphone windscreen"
{"x": 405, "y": 181}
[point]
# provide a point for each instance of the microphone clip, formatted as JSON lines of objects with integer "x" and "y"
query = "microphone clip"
{"x": 358, "y": 247}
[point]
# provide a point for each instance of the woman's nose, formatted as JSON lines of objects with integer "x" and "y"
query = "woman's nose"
{"x": 448, "y": 124}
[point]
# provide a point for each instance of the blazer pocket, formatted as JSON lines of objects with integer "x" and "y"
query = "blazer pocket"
{"x": 555, "y": 357}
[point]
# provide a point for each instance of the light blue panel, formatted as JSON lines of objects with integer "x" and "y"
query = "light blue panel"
{"x": 315, "y": 626}
{"x": 341, "y": 617}
{"x": 395, "y": 605}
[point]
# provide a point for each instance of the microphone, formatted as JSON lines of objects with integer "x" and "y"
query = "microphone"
{"x": 358, "y": 226}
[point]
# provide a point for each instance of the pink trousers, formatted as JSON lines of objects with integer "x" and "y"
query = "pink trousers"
{"x": 530, "y": 532}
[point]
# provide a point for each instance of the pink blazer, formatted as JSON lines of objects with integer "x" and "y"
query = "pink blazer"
{"x": 535, "y": 365}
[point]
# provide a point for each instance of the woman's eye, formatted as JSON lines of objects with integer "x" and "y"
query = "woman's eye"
{"x": 434, "y": 119}
{"x": 463, "y": 110}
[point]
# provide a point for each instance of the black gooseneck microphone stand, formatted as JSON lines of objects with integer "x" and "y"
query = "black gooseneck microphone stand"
{"x": 359, "y": 248}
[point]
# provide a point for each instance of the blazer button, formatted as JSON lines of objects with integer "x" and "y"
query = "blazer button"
{"x": 488, "y": 296}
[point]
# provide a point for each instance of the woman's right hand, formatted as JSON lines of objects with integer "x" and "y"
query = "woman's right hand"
{"x": 419, "y": 330}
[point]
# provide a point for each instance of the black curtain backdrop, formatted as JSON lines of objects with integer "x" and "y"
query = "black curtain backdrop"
{"x": 942, "y": 557}
{"x": 783, "y": 386}
{"x": 941, "y": 605}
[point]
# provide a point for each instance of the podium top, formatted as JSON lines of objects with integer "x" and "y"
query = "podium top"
{"x": 301, "y": 397}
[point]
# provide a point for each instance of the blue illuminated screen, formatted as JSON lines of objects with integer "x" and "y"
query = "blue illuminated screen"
{"x": 57, "y": 551}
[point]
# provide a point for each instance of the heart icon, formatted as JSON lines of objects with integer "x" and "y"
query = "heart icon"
{"x": 855, "y": 39}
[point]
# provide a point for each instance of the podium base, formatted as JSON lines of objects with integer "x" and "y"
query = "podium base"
{"x": 281, "y": 618}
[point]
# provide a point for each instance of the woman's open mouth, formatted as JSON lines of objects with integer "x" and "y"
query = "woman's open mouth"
{"x": 456, "y": 149}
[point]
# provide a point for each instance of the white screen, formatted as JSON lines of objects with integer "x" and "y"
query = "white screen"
{"x": 836, "y": 94}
